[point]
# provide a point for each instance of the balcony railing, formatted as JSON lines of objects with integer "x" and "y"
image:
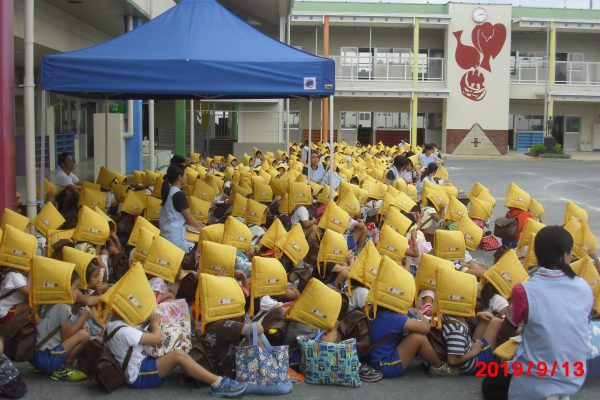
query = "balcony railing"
{"x": 578, "y": 73}
{"x": 383, "y": 68}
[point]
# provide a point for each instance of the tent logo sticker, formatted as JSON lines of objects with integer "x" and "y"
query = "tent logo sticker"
{"x": 310, "y": 83}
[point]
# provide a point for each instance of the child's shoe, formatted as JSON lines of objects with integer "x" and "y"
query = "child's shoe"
{"x": 444, "y": 370}
{"x": 228, "y": 388}
{"x": 68, "y": 374}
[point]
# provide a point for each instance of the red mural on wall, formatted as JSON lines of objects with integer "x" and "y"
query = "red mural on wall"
{"x": 488, "y": 40}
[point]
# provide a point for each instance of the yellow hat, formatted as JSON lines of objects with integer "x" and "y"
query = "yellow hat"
{"x": 476, "y": 189}
{"x": 451, "y": 190}
{"x": 213, "y": 233}
{"x": 590, "y": 242}
{"x": 269, "y": 278}
{"x": 112, "y": 225}
{"x": 516, "y": 197}
{"x": 426, "y": 278}
{"x": 92, "y": 198}
{"x": 397, "y": 221}
{"x": 218, "y": 298}
{"x": 152, "y": 209}
{"x": 50, "y": 282}
{"x": 435, "y": 197}
{"x": 471, "y": 231}
{"x": 449, "y": 245}
{"x": 157, "y": 192}
{"x": 132, "y": 297}
{"x": 150, "y": 178}
{"x": 256, "y": 213}
{"x": 217, "y": 258}
{"x": 199, "y": 208}
{"x": 14, "y": 219}
{"x": 262, "y": 192}
{"x": 82, "y": 260}
{"x": 334, "y": 218}
{"x": 133, "y": 205}
{"x": 480, "y": 209}
{"x": 349, "y": 203}
{"x": 91, "y": 227}
{"x": 530, "y": 258}
{"x": 293, "y": 245}
{"x": 143, "y": 245}
{"x": 164, "y": 259}
{"x": 456, "y": 294}
{"x": 586, "y": 269}
{"x": 91, "y": 185}
{"x": 54, "y": 236}
{"x": 573, "y": 210}
{"x": 300, "y": 194}
{"x": 48, "y": 219}
{"x": 394, "y": 288}
{"x": 120, "y": 191}
{"x": 442, "y": 173}
{"x": 275, "y": 232}
{"x": 318, "y": 306}
{"x": 17, "y": 248}
{"x": 237, "y": 234}
{"x": 105, "y": 178}
{"x": 204, "y": 191}
{"x": 531, "y": 226}
{"x": 365, "y": 266}
{"x": 536, "y": 208}
{"x": 141, "y": 222}
{"x": 456, "y": 210}
{"x": 392, "y": 244}
{"x": 505, "y": 274}
{"x": 333, "y": 248}
{"x": 238, "y": 205}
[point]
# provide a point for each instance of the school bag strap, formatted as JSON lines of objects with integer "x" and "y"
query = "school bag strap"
{"x": 7, "y": 294}
{"x": 129, "y": 352}
{"x": 380, "y": 341}
{"x": 47, "y": 338}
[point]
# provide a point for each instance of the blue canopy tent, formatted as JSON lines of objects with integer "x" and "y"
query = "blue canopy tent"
{"x": 197, "y": 49}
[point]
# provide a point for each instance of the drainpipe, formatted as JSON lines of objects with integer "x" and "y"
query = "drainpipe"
{"x": 152, "y": 166}
{"x": 29, "y": 111}
{"x": 415, "y": 77}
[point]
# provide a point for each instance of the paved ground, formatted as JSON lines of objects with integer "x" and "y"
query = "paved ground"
{"x": 552, "y": 182}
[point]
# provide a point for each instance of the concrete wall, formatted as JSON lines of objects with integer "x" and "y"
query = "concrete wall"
{"x": 258, "y": 123}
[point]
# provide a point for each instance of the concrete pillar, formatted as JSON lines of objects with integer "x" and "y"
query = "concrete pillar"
{"x": 326, "y": 99}
{"x": 133, "y": 142}
{"x": 180, "y": 114}
{"x": 415, "y": 78}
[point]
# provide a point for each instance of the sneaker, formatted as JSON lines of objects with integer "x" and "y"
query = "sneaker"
{"x": 68, "y": 374}
{"x": 228, "y": 388}
{"x": 369, "y": 374}
{"x": 444, "y": 370}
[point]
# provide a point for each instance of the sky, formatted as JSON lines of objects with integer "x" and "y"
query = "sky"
{"x": 583, "y": 4}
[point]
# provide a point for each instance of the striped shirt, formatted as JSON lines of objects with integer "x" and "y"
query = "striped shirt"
{"x": 458, "y": 342}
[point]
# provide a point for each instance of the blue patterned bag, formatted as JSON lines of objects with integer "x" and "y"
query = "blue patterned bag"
{"x": 325, "y": 363}
{"x": 265, "y": 370}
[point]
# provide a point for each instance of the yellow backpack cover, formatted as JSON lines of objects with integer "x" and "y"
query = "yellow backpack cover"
{"x": 105, "y": 178}
{"x": 164, "y": 259}
{"x": 531, "y": 226}
{"x": 81, "y": 259}
{"x": 455, "y": 211}
{"x": 141, "y": 222}
{"x": 392, "y": 244}
{"x": 256, "y": 213}
{"x": 237, "y": 234}
{"x": 530, "y": 257}
{"x": 143, "y": 245}
{"x": 334, "y": 218}
{"x": 435, "y": 197}
{"x": 318, "y": 306}
{"x": 456, "y": 294}
{"x": 199, "y": 208}
{"x": 269, "y": 278}
{"x": 218, "y": 298}
{"x": 333, "y": 248}
{"x": 516, "y": 197}
{"x": 293, "y": 245}
{"x": 92, "y": 198}
{"x": 365, "y": 266}
{"x": 204, "y": 191}
{"x": 48, "y": 219}
{"x": 349, "y": 203}
{"x": 323, "y": 196}
{"x": 238, "y": 206}
{"x": 300, "y": 194}
{"x": 471, "y": 231}
{"x": 449, "y": 245}
{"x": 397, "y": 221}
{"x": 505, "y": 274}
{"x": 16, "y": 220}
{"x": 573, "y": 210}
{"x": 133, "y": 204}
{"x": 536, "y": 208}
{"x": 213, "y": 233}
{"x": 262, "y": 192}
{"x": 50, "y": 282}
{"x": 132, "y": 297}
{"x": 406, "y": 202}
{"x": 17, "y": 248}
{"x": 91, "y": 227}
{"x": 217, "y": 258}
{"x": 480, "y": 209}
{"x": 426, "y": 278}
{"x": 394, "y": 288}
{"x": 57, "y": 235}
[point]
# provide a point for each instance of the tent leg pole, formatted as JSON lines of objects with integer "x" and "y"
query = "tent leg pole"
{"x": 29, "y": 111}
{"x": 106, "y": 133}
{"x": 321, "y": 123}
{"x": 43, "y": 148}
{"x": 331, "y": 155}
{"x": 309, "y": 157}
{"x": 287, "y": 125}
{"x": 192, "y": 126}
{"x": 151, "y": 135}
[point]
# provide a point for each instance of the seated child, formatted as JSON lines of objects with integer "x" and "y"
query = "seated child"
{"x": 14, "y": 293}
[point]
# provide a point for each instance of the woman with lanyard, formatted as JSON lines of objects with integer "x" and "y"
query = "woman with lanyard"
{"x": 175, "y": 212}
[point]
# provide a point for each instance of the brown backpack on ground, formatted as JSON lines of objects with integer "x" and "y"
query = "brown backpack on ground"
{"x": 108, "y": 373}
{"x": 88, "y": 357}
{"x": 355, "y": 325}
{"x": 438, "y": 343}
{"x": 19, "y": 334}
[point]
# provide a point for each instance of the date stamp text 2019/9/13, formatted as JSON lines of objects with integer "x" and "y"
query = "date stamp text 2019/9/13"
{"x": 539, "y": 369}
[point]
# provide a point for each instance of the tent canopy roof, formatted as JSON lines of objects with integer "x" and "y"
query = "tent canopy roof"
{"x": 197, "y": 49}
